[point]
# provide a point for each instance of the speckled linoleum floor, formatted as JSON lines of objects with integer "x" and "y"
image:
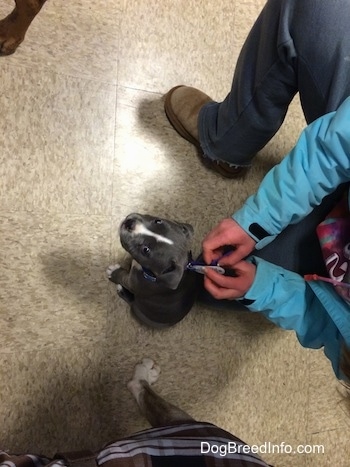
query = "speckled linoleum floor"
{"x": 84, "y": 141}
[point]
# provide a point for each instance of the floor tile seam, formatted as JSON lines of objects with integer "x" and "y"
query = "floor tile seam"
{"x": 41, "y": 68}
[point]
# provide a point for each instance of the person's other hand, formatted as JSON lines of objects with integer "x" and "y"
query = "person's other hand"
{"x": 227, "y": 287}
{"x": 227, "y": 232}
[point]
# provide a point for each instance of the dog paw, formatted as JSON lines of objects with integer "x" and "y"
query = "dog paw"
{"x": 110, "y": 270}
{"x": 11, "y": 35}
{"x": 147, "y": 371}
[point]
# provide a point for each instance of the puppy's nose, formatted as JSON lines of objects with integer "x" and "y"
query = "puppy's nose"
{"x": 129, "y": 224}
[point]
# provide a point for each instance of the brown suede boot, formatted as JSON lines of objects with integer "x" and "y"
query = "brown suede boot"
{"x": 182, "y": 105}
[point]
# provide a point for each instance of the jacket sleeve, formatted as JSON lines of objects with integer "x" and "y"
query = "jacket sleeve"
{"x": 316, "y": 166}
{"x": 286, "y": 299}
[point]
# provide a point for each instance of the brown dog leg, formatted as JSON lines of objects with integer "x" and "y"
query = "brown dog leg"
{"x": 14, "y": 27}
{"x": 156, "y": 410}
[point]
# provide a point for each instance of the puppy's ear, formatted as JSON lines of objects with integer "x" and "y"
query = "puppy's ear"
{"x": 172, "y": 278}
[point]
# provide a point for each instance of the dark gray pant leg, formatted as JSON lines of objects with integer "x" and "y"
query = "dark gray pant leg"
{"x": 294, "y": 46}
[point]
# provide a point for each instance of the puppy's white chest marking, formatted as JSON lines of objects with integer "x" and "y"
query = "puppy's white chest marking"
{"x": 140, "y": 229}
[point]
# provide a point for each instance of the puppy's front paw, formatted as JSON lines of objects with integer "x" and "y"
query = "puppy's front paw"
{"x": 147, "y": 371}
{"x": 110, "y": 270}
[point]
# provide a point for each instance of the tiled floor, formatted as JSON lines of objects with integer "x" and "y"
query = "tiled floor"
{"x": 85, "y": 141}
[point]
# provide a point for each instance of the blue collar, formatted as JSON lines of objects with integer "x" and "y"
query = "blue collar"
{"x": 148, "y": 274}
{"x": 192, "y": 265}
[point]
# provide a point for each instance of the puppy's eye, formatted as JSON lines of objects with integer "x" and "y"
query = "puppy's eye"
{"x": 158, "y": 221}
{"x": 145, "y": 250}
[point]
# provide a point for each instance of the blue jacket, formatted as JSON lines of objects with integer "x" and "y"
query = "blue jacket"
{"x": 319, "y": 163}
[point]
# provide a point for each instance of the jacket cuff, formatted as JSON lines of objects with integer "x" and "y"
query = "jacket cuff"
{"x": 262, "y": 293}
{"x": 259, "y": 234}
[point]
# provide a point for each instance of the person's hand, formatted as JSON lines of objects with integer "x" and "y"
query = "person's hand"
{"x": 229, "y": 288}
{"x": 227, "y": 232}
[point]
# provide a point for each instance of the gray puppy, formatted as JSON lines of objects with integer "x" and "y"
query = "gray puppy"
{"x": 159, "y": 287}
